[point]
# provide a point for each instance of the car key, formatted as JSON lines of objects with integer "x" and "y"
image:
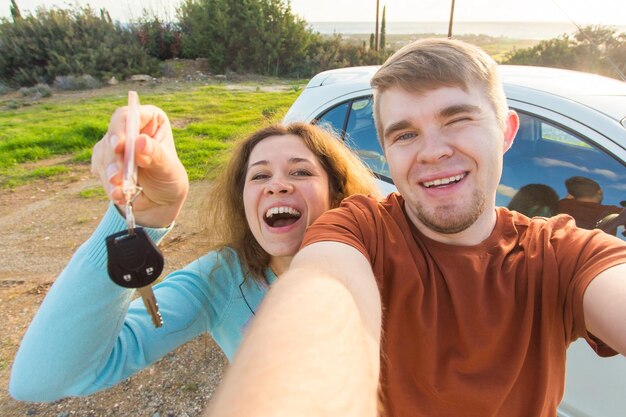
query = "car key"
{"x": 134, "y": 261}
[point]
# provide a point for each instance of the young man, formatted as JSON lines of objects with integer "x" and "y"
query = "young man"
{"x": 584, "y": 203}
{"x": 461, "y": 307}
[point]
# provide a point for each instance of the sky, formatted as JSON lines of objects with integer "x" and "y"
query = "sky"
{"x": 605, "y": 12}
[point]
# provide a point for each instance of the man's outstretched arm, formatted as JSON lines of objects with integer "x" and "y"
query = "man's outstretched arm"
{"x": 313, "y": 347}
{"x": 605, "y": 307}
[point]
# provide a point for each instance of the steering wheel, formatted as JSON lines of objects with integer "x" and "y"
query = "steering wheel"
{"x": 612, "y": 221}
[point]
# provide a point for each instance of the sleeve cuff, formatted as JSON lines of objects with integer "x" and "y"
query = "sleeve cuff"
{"x": 113, "y": 222}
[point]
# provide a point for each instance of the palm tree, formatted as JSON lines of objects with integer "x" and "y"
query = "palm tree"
{"x": 376, "y": 32}
{"x": 451, "y": 19}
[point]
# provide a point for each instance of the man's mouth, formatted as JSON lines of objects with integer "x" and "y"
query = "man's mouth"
{"x": 281, "y": 216}
{"x": 440, "y": 182}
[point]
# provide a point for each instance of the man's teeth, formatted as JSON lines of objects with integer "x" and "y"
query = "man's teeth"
{"x": 281, "y": 210}
{"x": 443, "y": 181}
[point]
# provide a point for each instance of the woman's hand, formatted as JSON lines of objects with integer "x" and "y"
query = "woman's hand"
{"x": 160, "y": 173}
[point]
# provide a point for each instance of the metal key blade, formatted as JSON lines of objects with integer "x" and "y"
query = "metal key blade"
{"x": 149, "y": 300}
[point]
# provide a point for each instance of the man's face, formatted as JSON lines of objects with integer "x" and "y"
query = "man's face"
{"x": 444, "y": 148}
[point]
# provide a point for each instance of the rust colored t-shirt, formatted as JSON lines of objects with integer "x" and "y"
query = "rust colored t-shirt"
{"x": 474, "y": 331}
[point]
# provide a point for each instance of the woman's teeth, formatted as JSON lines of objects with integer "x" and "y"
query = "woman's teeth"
{"x": 281, "y": 216}
{"x": 281, "y": 210}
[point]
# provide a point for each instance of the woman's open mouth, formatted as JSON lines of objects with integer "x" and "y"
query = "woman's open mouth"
{"x": 281, "y": 216}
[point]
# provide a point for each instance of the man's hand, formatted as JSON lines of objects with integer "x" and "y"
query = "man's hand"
{"x": 161, "y": 175}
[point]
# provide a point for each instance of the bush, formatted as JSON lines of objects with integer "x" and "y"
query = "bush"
{"x": 596, "y": 49}
{"x": 257, "y": 36}
{"x": 4, "y": 89}
{"x": 36, "y": 92}
{"x": 161, "y": 40}
{"x": 71, "y": 82}
{"x": 57, "y": 42}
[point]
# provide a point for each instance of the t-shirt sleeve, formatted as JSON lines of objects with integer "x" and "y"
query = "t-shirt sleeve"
{"x": 583, "y": 255}
{"x": 351, "y": 223}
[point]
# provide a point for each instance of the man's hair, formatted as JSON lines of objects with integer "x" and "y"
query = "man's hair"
{"x": 583, "y": 187}
{"x": 225, "y": 214}
{"x": 428, "y": 64}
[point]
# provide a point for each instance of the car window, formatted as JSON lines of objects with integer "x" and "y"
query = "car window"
{"x": 355, "y": 120}
{"x": 361, "y": 135}
{"x": 545, "y": 160}
{"x": 335, "y": 119}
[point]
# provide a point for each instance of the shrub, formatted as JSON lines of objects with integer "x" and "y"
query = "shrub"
{"x": 36, "y": 92}
{"x": 57, "y": 42}
{"x": 596, "y": 49}
{"x": 4, "y": 89}
{"x": 71, "y": 82}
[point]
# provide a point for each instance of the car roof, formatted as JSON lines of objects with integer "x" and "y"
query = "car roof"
{"x": 603, "y": 94}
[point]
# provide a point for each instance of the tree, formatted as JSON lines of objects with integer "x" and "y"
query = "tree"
{"x": 383, "y": 29}
{"x": 376, "y": 37}
{"x": 261, "y": 36}
{"x": 15, "y": 11}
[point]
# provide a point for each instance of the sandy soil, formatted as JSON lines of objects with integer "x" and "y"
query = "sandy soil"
{"x": 41, "y": 225}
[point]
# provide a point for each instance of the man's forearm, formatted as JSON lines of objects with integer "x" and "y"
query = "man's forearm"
{"x": 307, "y": 353}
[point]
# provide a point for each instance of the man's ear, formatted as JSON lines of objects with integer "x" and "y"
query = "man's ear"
{"x": 511, "y": 125}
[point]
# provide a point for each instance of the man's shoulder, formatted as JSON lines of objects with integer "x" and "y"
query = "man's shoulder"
{"x": 390, "y": 203}
{"x": 523, "y": 224}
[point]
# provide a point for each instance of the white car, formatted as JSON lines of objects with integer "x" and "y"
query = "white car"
{"x": 572, "y": 124}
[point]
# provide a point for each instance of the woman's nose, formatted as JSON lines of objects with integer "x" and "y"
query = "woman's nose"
{"x": 279, "y": 186}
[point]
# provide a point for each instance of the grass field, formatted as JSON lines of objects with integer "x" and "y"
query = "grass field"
{"x": 205, "y": 120}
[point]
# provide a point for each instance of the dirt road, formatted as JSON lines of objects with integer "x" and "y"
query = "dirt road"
{"x": 41, "y": 225}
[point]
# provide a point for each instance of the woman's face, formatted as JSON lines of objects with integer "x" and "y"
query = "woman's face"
{"x": 286, "y": 189}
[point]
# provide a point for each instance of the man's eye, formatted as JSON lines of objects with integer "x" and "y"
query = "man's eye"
{"x": 406, "y": 136}
{"x": 458, "y": 120}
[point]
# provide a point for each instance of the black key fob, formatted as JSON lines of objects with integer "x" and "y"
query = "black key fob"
{"x": 134, "y": 261}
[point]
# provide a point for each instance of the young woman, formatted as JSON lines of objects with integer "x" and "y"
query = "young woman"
{"x": 88, "y": 335}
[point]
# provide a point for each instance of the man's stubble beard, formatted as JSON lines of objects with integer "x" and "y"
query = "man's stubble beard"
{"x": 452, "y": 219}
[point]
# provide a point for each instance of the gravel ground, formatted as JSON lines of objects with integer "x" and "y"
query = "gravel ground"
{"x": 41, "y": 225}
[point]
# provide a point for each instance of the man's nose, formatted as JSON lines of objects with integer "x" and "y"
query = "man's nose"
{"x": 433, "y": 147}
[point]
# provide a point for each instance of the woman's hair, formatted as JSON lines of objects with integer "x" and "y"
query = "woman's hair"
{"x": 535, "y": 200}
{"x": 225, "y": 215}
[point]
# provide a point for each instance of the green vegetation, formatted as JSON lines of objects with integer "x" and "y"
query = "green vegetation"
{"x": 205, "y": 121}
{"x": 93, "y": 192}
{"x": 58, "y": 42}
{"x": 596, "y": 49}
{"x": 68, "y": 46}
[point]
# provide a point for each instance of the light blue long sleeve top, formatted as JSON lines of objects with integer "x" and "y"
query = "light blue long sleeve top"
{"x": 88, "y": 335}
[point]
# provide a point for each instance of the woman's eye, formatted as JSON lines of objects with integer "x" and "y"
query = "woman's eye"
{"x": 301, "y": 173}
{"x": 257, "y": 177}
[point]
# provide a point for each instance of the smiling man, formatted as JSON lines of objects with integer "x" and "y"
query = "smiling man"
{"x": 447, "y": 304}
